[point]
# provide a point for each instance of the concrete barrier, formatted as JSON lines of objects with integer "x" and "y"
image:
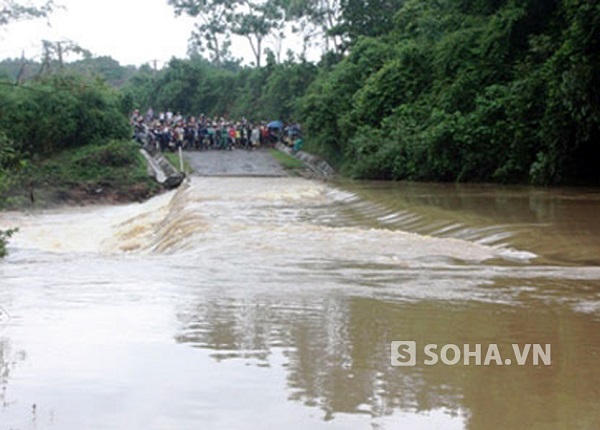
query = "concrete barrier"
{"x": 315, "y": 163}
{"x": 161, "y": 170}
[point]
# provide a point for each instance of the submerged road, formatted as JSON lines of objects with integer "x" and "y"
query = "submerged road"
{"x": 255, "y": 303}
{"x": 234, "y": 163}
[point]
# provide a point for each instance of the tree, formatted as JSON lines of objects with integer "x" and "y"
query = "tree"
{"x": 212, "y": 32}
{"x": 315, "y": 20}
{"x": 54, "y": 53}
{"x": 218, "y": 20}
{"x": 11, "y": 11}
{"x": 366, "y": 18}
{"x": 255, "y": 21}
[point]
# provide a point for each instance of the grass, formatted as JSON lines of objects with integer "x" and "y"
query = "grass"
{"x": 173, "y": 158}
{"x": 113, "y": 171}
{"x": 287, "y": 161}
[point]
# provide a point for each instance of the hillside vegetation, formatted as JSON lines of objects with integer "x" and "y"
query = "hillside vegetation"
{"x": 438, "y": 90}
{"x": 503, "y": 91}
{"x": 65, "y": 139}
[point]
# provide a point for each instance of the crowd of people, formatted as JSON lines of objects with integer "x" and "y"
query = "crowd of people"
{"x": 171, "y": 131}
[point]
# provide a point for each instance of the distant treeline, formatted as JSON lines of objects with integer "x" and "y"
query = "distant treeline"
{"x": 434, "y": 90}
{"x": 106, "y": 68}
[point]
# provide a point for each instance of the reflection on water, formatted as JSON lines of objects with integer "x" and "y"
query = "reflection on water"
{"x": 337, "y": 357}
{"x": 261, "y": 303}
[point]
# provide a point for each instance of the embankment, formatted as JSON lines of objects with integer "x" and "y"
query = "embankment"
{"x": 317, "y": 165}
{"x": 108, "y": 172}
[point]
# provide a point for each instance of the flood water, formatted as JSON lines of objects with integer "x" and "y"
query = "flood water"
{"x": 266, "y": 303}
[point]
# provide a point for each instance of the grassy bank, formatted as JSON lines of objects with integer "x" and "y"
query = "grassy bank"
{"x": 290, "y": 164}
{"x": 173, "y": 158}
{"x": 108, "y": 172}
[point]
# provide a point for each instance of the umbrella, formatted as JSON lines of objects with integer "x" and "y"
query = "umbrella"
{"x": 275, "y": 124}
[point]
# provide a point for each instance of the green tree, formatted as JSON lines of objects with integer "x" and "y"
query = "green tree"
{"x": 212, "y": 32}
{"x": 218, "y": 20}
{"x": 255, "y": 21}
{"x": 315, "y": 20}
{"x": 60, "y": 111}
{"x": 367, "y": 18}
{"x": 11, "y": 11}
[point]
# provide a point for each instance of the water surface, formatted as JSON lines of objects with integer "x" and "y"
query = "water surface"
{"x": 251, "y": 303}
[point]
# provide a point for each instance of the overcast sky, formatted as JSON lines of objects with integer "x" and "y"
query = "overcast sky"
{"x": 130, "y": 31}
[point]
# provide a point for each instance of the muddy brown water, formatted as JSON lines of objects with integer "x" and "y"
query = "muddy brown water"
{"x": 266, "y": 303}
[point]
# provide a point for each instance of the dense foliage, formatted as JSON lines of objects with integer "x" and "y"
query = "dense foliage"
{"x": 58, "y": 112}
{"x": 467, "y": 90}
{"x": 446, "y": 90}
{"x": 195, "y": 87}
{"x": 49, "y": 117}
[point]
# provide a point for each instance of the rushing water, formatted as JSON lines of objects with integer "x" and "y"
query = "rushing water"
{"x": 266, "y": 303}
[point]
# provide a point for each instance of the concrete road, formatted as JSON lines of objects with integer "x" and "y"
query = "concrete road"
{"x": 238, "y": 162}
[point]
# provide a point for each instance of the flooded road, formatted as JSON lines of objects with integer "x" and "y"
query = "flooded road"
{"x": 259, "y": 303}
{"x": 234, "y": 163}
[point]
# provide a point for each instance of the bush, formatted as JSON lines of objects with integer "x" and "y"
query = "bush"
{"x": 110, "y": 162}
{"x": 4, "y": 236}
{"x": 60, "y": 111}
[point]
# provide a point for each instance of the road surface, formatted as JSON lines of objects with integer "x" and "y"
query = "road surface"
{"x": 234, "y": 163}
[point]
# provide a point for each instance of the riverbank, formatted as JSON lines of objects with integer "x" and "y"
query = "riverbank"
{"x": 312, "y": 164}
{"x": 110, "y": 172}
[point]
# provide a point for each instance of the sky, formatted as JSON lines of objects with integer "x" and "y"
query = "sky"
{"x": 130, "y": 31}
